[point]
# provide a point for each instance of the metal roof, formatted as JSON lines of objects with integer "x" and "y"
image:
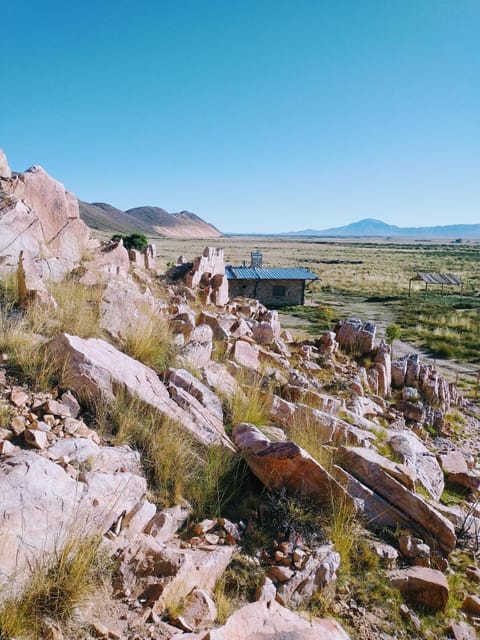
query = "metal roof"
{"x": 278, "y": 273}
{"x": 437, "y": 278}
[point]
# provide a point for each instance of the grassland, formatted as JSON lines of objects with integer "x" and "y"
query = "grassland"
{"x": 370, "y": 279}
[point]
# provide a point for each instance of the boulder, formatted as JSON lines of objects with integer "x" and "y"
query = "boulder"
{"x": 96, "y": 369}
{"x": 271, "y": 621}
{"x": 108, "y": 261}
{"x": 4, "y": 168}
{"x": 125, "y": 308}
{"x": 246, "y": 355}
{"x": 37, "y": 215}
{"x": 285, "y": 464}
{"x": 217, "y": 376}
{"x": 199, "y": 611}
{"x": 429, "y": 524}
{"x": 31, "y": 287}
{"x": 42, "y": 505}
{"x": 414, "y": 454}
{"x": 422, "y": 587}
{"x": 156, "y": 574}
{"x": 456, "y": 470}
{"x": 318, "y": 571}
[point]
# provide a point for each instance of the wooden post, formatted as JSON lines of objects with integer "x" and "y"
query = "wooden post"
{"x": 476, "y": 385}
{"x": 409, "y": 287}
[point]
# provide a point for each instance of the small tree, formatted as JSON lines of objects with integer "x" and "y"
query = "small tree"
{"x": 133, "y": 241}
{"x": 392, "y": 333}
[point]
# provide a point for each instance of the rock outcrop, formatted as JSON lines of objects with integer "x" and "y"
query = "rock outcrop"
{"x": 38, "y": 216}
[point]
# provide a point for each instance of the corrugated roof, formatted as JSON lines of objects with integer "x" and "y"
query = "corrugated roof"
{"x": 278, "y": 273}
{"x": 438, "y": 278}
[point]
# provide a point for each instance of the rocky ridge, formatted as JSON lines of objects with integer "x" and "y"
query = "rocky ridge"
{"x": 371, "y": 442}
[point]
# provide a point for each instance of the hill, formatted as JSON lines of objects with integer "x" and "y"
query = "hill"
{"x": 152, "y": 221}
{"x": 370, "y": 227}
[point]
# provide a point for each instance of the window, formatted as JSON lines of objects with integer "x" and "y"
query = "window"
{"x": 279, "y": 291}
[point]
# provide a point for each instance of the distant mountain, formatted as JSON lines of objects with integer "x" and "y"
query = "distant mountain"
{"x": 371, "y": 228}
{"x": 153, "y": 221}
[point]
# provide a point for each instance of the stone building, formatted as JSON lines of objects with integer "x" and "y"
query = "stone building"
{"x": 274, "y": 287}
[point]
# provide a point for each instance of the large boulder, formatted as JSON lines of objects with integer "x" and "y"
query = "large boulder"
{"x": 42, "y": 506}
{"x": 414, "y": 454}
{"x": 285, "y": 464}
{"x": 125, "y": 308}
{"x": 268, "y": 620}
{"x": 422, "y": 587}
{"x": 429, "y": 524}
{"x": 37, "y": 215}
{"x": 96, "y": 369}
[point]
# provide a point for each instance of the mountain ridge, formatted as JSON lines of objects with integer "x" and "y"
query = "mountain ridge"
{"x": 153, "y": 221}
{"x": 372, "y": 227}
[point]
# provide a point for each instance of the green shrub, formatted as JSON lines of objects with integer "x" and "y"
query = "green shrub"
{"x": 136, "y": 241}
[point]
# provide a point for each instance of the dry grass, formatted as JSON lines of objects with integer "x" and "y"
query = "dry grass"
{"x": 176, "y": 465}
{"x": 306, "y": 432}
{"x": 54, "y": 588}
{"x": 151, "y": 343}
{"x": 78, "y": 311}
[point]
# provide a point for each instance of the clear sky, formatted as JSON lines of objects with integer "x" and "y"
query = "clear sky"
{"x": 258, "y": 115}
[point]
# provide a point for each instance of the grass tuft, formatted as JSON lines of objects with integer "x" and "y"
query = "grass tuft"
{"x": 55, "y": 587}
{"x": 151, "y": 343}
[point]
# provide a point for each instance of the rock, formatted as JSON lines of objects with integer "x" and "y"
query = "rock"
{"x": 166, "y": 523}
{"x": 221, "y": 330}
{"x": 109, "y": 261}
{"x": 125, "y": 308}
{"x": 285, "y": 464}
{"x": 207, "y": 275}
{"x": 4, "y": 168}
{"x": 217, "y": 376}
{"x": 415, "y": 550}
{"x": 462, "y": 631}
{"x": 246, "y": 355}
{"x": 18, "y": 397}
{"x": 196, "y": 354}
{"x": 456, "y": 470}
{"x": 328, "y": 343}
{"x": 203, "y": 406}
{"x": 96, "y": 369}
{"x": 42, "y": 505}
{"x": 414, "y": 454}
{"x": 330, "y": 429}
{"x": 387, "y": 554}
{"x": 471, "y": 605}
{"x": 85, "y": 453}
{"x": 353, "y": 335}
{"x": 267, "y": 591}
{"x": 430, "y": 525}
{"x": 383, "y": 365}
{"x": 31, "y": 287}
{"x": 421, "y": 587}
{"x": 6, "y": 447}
{"x": 318, "y": 572}
{"x": 38, "y": 216}
{"x": 275, "y": 622}
{"x": 137, "y": 518}
{"x": 199, "y": 611}
{"x": 156, "y": 574}
{"x": 35, "y": 438}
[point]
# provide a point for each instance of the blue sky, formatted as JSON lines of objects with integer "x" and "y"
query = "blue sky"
{"x": 259, "y": 115}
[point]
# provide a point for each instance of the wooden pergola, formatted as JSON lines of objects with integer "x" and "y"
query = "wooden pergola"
{"x": 436, "y": 278}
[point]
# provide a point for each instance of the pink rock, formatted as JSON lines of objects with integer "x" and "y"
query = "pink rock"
{"x": 422, "y": 586}
{"x": 246, "y": 355}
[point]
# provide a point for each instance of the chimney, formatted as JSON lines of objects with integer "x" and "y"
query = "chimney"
{"x": 256, "y": 257}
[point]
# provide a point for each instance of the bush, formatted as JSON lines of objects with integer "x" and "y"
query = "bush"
{"x": 136, "y": 241}
{"x": 55, "y": 587}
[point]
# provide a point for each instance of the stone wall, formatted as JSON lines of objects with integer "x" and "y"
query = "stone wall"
{"x": 263, "y": 290}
